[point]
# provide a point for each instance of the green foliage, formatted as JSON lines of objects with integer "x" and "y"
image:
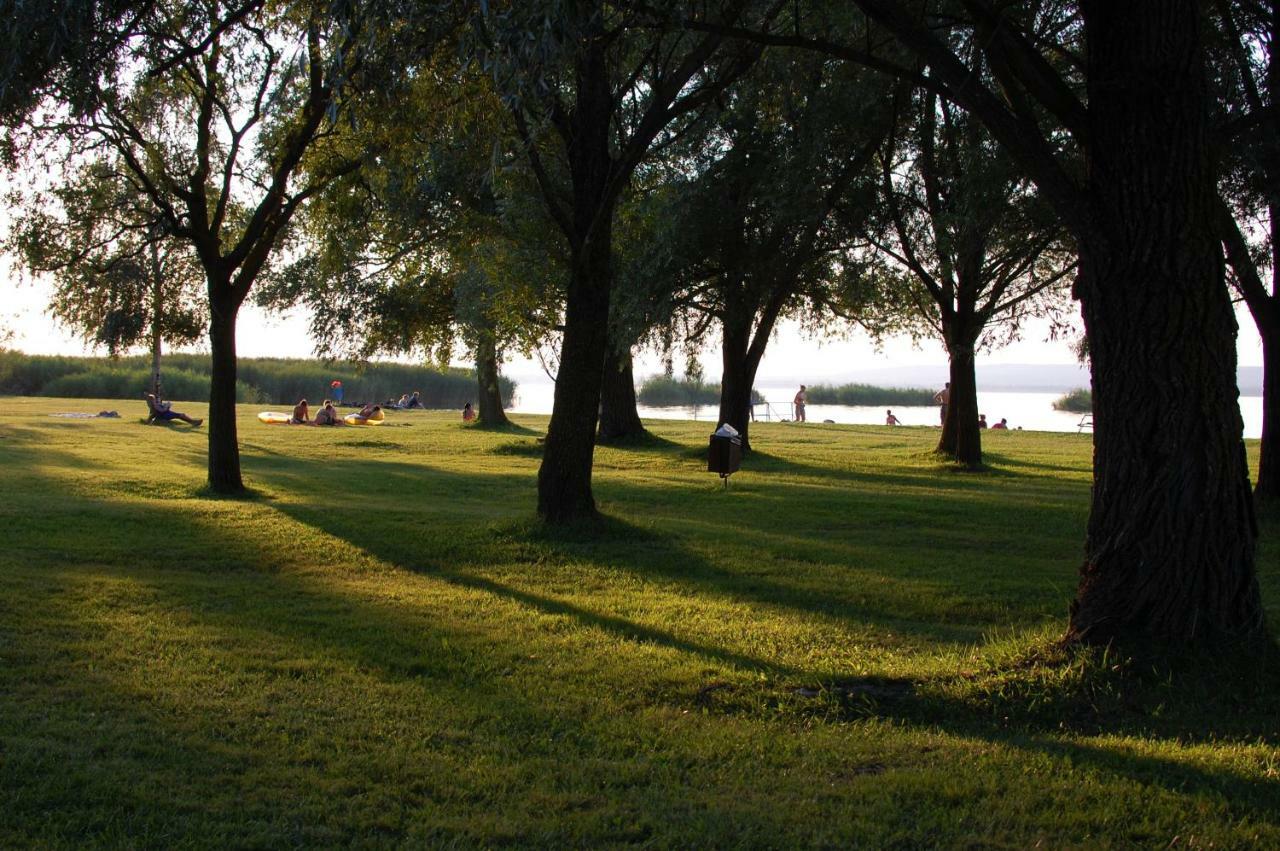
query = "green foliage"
{"x": 803, "y": 660}
{"x": 277, "y": 381}
{"x": 663, "y": 391}
{"x": 1078, "y": 401}
{"x": 867, "y": 394}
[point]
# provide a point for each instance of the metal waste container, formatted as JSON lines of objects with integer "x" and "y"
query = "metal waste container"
{"x": 724, "y": 455}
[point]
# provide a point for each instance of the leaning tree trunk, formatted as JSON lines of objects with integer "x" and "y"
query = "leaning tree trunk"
{"x": 1268, "y": 486}
{"x": 1171, "y": 537}
{"x": 488, "y": 388}
{"x": 224, "y": 450}
{"x": 961, "y": 437}
{"x": 619, "y": 419}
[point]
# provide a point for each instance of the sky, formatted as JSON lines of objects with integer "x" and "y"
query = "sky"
{"x": 791, "y": 356}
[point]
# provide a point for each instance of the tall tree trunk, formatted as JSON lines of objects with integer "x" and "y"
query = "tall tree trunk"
{"x": 1171, "y": 537}
{"x": 489, "y": 390}
{"x": 738, "y": 374}
{"x": 961, "y": 437}
{"x": 564, "y": 479}
{"x": 224, "y": 449}
{"x": 619, "y": 419}
{"x": 1268, "y": 486}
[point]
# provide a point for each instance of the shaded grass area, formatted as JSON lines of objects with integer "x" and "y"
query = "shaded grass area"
{"x": 850, "y": 646}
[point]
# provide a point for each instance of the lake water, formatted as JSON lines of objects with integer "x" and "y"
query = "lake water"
{"x": 1030, "y": 411}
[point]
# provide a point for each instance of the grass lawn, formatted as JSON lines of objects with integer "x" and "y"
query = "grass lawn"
{"x": 852, "y": 645}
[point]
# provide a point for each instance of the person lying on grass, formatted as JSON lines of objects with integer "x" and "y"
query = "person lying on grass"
{"x": 162, "y": 412}
{"x": 368, "y": 412}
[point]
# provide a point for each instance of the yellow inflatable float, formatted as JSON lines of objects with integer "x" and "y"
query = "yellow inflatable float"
{"x": 274, "y": 418}
{"x": 373, "y": 419}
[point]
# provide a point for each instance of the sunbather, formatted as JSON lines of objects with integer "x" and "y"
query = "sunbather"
{"x": 161, "y": 412}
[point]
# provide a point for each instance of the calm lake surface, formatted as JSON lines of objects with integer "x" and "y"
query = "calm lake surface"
{"x": 1030, "y": 411}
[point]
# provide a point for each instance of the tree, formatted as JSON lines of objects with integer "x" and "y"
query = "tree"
{"x": 1245, "y": 42}
{"x": 606, "y": 85}
{"x": 118, "y": 278}
{"x": 1171, "y": 544}
{"x": 206, "y": 117}
{"x": 773, "y": 202}
{"x": 979, "y": 248}
{"x": 437, "y": 242}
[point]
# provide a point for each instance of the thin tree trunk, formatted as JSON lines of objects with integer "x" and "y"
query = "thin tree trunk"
{"x": 155, "y": 362}
{"x": 619, "y": 419}
{"x": 489, "y": 390}
{"x": 1268, "y": 486}
{"x": 1171, "y": 538}
{"x": 224, "y": 450}
{"x": 157, "y": 318}
{"x": 961, "y": 437}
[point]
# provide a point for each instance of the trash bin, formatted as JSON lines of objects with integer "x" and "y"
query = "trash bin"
{"x": 724, "y": 455}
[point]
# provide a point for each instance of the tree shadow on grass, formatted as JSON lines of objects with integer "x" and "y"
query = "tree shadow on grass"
{"x": 1053, "y": 712}
{"x": 1094, "y": 708}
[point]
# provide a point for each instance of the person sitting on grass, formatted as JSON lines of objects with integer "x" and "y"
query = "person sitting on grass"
{"x": 982, "y": 420}
{"x": 162, "y": 412}
{"x": 328, "y": 415}
{"x": 301, "y": 413}
{"x": 404, "y": 401}
{"x": 468, "y": 413}
{"x": 1004, "y": 424}
{"x": 415, "y": 401}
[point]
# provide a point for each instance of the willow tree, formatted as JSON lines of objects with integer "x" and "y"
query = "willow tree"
{"x": 118, "y": 279}
{"x": 206, "y": 118}
{"x": 763, "y": 210}
{"x": 1105, "y": 107}
{"x": 591, "y": 89}
{"x": 975, "y": 248}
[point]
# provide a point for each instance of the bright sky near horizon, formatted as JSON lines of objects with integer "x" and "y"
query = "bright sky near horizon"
{"x": 791, "y": 354}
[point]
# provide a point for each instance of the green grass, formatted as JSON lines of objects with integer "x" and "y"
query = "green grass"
{"x": 850, "y": 646}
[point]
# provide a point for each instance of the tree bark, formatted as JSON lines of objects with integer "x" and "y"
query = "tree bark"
{"x": 489, "y": 391}
{"x": 961, "y": 437}
{"x": 619, "y": 419}
{"x": 738, "y": 374}
{"x": 224, "y": 449}
{"x": 564, "y": 479}
{"x": 1268, "y": 486}
{"x": 157, "y": 317}
{"x": 1171, "y": 537}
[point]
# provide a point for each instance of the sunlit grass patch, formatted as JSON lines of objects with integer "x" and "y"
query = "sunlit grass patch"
{"x": 845, "y": 647}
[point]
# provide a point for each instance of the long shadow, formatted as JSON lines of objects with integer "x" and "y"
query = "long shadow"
{"x": 420, "y": 491}
{"x": 399, "y": 647}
